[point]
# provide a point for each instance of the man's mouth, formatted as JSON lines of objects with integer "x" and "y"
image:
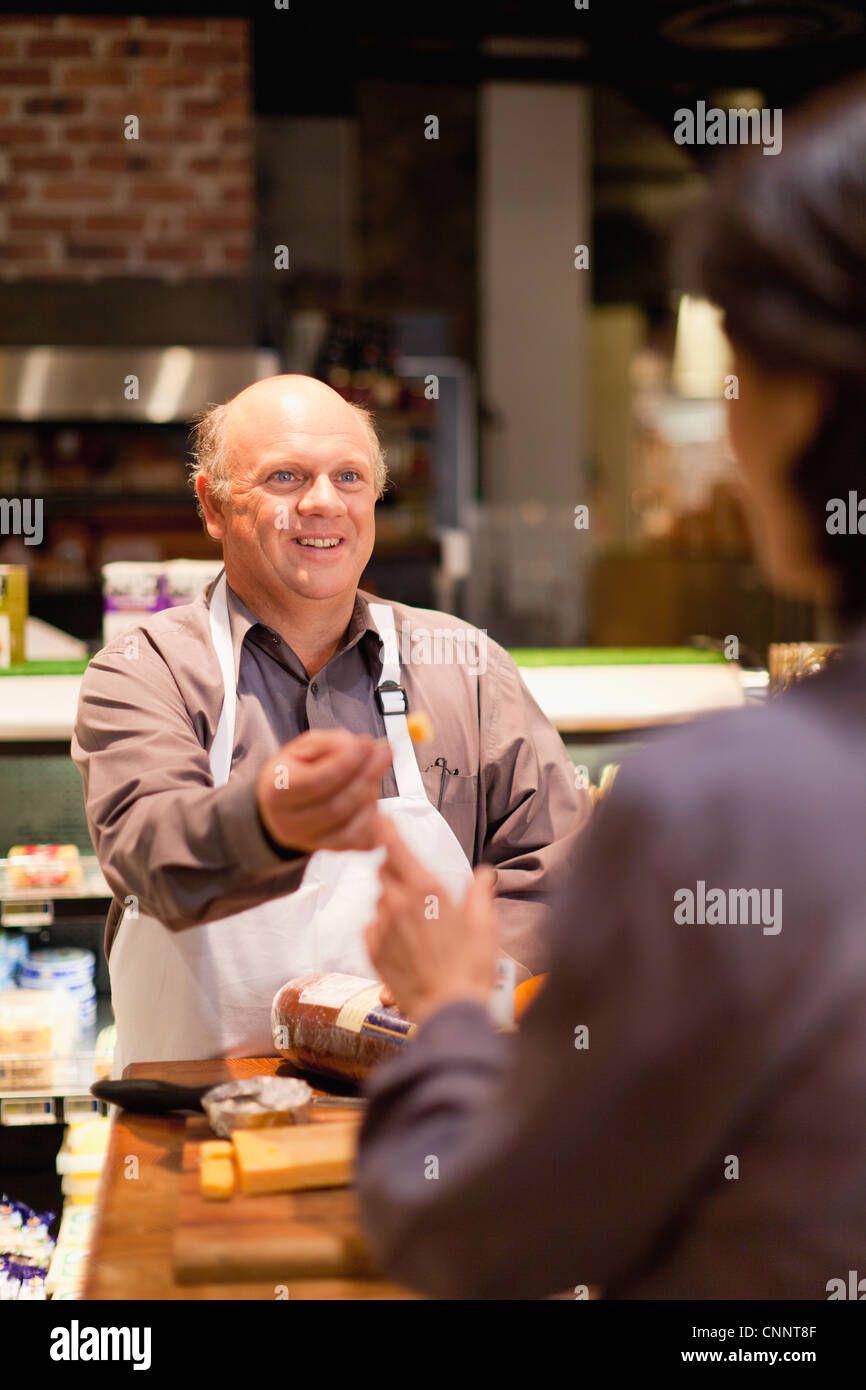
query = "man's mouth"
{"x": 319, "y": 542}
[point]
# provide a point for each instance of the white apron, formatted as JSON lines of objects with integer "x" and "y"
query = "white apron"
{"x": 206, "y": 991}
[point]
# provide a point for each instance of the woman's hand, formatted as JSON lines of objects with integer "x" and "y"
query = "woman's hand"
{"x": 428, "y": 951}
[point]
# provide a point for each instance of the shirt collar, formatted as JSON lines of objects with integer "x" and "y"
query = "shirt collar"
{"x": 243, "y": 622}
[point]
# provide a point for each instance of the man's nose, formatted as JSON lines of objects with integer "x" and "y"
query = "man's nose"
{"x": 321, "y": 495}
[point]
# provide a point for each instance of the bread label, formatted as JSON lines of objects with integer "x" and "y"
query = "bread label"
{"x": 387, "y": 1025}
{"x": 367, "y": 1015}
{"x": 355, "y": 1010}
{"x": 333, "y": 991}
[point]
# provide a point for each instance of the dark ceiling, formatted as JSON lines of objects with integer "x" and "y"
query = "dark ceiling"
{"x": 659, "y": 54}
{"x": 642, "y": 59}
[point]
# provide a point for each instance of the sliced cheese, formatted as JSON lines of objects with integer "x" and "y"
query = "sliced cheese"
{"x": 217, "y": 1148}
{"x": 296, "y": 1156}
{"x": 217, "y": 1170}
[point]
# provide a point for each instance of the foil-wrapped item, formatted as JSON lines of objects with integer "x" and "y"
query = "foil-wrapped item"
{"x": 255, "y": 1102}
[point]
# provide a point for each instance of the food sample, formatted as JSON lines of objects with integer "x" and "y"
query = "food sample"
{"x": 217, "y": 1169}
{"x": 296, "y": 1157}
{"x": 336, "y": 1024}
{"x": 420, "y": 726}
{"x": 256, "y": 1102}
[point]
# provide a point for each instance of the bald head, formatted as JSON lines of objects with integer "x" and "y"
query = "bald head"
{"x": 278, "y": 406}
{"x": 311, "y": 405}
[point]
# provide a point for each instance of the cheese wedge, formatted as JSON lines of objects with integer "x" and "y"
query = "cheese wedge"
{"x": 294, "y": 1157}
{"x": 217, "y": 1169}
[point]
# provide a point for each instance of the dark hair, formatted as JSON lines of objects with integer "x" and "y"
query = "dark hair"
{"x": 778, "y": 242}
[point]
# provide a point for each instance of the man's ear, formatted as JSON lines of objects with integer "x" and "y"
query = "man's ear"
{"x": 213, "y": 517}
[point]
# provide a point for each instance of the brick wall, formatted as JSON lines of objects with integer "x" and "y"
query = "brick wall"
{"x": 79, "y": 200}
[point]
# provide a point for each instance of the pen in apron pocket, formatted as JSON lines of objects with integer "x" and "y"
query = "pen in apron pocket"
{"x": 446, "y": 770}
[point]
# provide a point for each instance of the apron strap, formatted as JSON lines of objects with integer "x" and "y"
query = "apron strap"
{"x": 407, "y": 773}
{"x": 221, "y": 636}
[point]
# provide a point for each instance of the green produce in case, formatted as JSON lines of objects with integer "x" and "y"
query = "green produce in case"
{"x": 614, "y": 656}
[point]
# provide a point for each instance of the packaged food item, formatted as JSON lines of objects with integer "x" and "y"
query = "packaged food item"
{"x": 11, "y": 1221}
{"x": 12, "y": 1218}
{"x": 69, "y": 1261}
{"x": 10, "y": 1279}
{"x": 80, "y": 1160}
{"x": 13, "y": 614}
{"x": 44, "y": 866}
{"x": 33, "y": 1285}
{"x": 14, "y": 948}
{"x": 80, "y": 1187}
{"x": 36, "y": 1243}
{"x": 88, "y": 1139}
{"x": 336, "y": 1024}
{"x": 132, "y": 591}
{"x": 76, "y": 1226}
{"x": 64, "y": 967}
{"x": 26, "y": 1249}
{"x": 255, "y": 1103}
{"x": 38, "y": 1031}
{"x": 103, "y": 1060}
{"x": 58, "y": 967}
{"x": 183, "y": 580}
{"x": 67, "y": 1270}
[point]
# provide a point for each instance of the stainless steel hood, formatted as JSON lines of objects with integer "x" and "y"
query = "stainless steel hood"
{"x": 148, "y": 385}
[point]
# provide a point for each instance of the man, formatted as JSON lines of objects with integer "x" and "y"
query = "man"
{"x": 234, "y": 752}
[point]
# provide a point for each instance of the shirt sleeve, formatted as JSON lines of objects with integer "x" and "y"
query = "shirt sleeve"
{"x": 495, "y": 1166}
{"x": 531, "y": 812}
{"x": 189, "y": 852}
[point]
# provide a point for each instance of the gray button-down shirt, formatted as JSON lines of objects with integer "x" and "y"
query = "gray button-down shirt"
{"x": 190, "y": 853}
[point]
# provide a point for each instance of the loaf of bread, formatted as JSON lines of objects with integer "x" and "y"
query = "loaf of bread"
{"x": 336, "y": 1024}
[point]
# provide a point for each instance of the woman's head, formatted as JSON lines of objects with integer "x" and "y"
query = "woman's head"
{"x": 779, "y": 243}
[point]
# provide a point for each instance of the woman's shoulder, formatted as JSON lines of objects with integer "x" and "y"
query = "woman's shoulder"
{"x": 795, "y": 752}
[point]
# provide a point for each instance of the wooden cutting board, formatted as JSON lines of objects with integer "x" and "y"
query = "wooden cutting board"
{"x": 284, "y": 1236}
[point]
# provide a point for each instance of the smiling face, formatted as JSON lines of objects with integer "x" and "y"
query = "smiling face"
{"x": 300, "y": 522}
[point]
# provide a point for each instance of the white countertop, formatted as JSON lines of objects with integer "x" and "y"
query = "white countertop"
{"x": 575, "y": 698}
{"x": 38, "y": 707}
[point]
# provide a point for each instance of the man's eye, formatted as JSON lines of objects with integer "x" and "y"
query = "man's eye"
{"x": 283, "y": 475}
{"x": 350, "y": 474}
